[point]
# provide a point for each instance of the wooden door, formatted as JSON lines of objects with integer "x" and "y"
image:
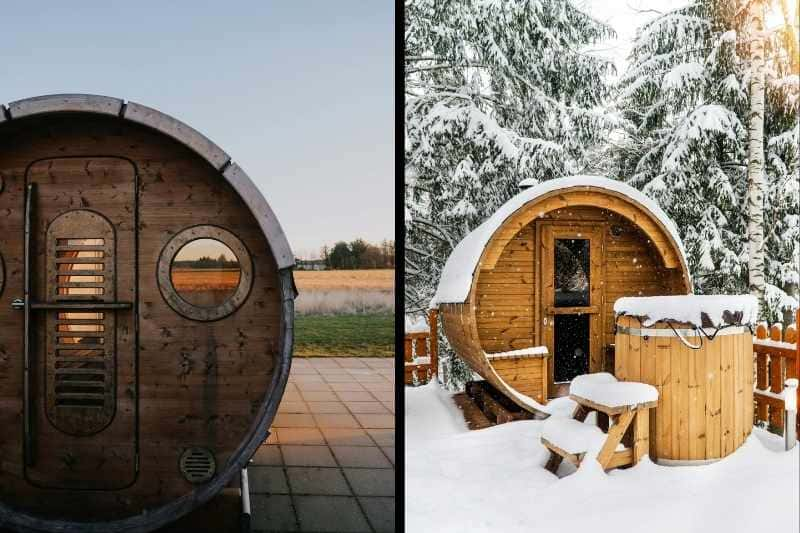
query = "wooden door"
{"x": 79, "y": 422}
{"x": 570, "y": 302}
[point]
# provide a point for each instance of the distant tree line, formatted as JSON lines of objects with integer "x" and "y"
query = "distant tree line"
{"x": 207, "y": 262}
{"x": 359, "y": 254}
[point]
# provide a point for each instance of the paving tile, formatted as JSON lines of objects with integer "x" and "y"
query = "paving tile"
{"x": 347, "y": 387}
{"x": 324, "y": 362}
{"x": 330, "y": 513}
{"x": 356, "y": 396}
{"x": 293, "y": 407}
{"x": 272, "y": 438}
{"x": 291, "y": 395}
{"x": 300, "y": 436}
{"x": 367, "y": 407}
{"x": 360, "y": 457}
{"x": 341, "y": 378}
{"x": 308, "y": 378}
{"x": 316, "y": 480}
{"x": 268, "y": 454}
{"x": 327, "y": 407}
{"x": 383, "y": 395}
{"x": 311, "y": 386}
{"x": 389, "y": 452}
{"x": 304, "y": 369}
{"x": 303, "y": 455}
{"x": 370, "y": 378}
{"x": 347, "y": 437}
{"x": 389, "y": 406}
{"x": 383, "y": 437}
{"x": 269, "y": 479}
{"x": 351, "y": 362}
{"x": 272, "y": 513}
{"x": 319, "y": 396}
{"x": 375, "y": 421}
{"x": 289, "y": 420}
{"x": 336, "y": 420}
{"x": 382, "y": 386}
{"x": 380, "y": 512}
{"x": 371, "y": 481}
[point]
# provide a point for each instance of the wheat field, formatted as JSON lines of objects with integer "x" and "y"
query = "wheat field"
{"x": 344, "y": 279}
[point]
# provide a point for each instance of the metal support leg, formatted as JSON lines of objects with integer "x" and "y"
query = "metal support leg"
{"x": 790, "y": 413}
{"x": 245, "y": 502}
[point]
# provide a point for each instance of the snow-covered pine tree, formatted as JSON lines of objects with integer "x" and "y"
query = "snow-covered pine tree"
{"x": 496, "y": 92}
{"x": 685, "y": 98}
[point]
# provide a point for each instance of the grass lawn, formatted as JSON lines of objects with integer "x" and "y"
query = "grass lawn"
{"x": 364, "y": 335}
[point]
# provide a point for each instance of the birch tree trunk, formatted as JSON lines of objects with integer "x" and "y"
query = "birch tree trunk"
{"x": 755, "y": 166}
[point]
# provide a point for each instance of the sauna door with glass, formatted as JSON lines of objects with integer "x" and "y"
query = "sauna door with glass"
{"x": 570, "y": 302}
{"x": 79, "y": 420}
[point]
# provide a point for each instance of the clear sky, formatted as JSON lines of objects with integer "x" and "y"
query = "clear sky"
{"x": 300, "y": 94}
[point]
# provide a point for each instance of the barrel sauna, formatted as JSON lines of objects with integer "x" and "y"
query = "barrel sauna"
{"x": 704, "y": 376}
{"x": 544, "y": 271}
{"x": 146, "y": 311}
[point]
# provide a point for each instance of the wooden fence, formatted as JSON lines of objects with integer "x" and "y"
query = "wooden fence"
{"x": 421, "y": 353}
{"x": 777, "y": 358}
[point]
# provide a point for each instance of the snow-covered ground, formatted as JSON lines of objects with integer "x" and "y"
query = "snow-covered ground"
{"x": 494, "y": 480}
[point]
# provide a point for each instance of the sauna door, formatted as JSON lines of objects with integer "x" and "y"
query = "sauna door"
{"x": 79, "y": 420}
{"x": 570, "y": 303}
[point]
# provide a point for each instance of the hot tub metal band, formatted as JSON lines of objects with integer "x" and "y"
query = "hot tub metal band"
{"x": 697, "y": 332}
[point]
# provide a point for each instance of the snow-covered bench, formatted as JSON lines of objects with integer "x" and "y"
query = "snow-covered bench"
{"x": 625, "y": 404}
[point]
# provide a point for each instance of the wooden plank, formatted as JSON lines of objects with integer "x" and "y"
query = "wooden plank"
{"x": 615, "y": 434}
{"x": 727, "y": 401}
{"x": 713, "y": 395}
{"x": 682, "y": 394}
{"x": 665, "y": 400}
{"x": 641, "y": 434}
{"x": 776, "y": 380}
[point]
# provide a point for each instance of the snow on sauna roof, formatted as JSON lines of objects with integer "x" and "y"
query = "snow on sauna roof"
{"x": 705, "y": 311}
{"x": 456, "y": 278}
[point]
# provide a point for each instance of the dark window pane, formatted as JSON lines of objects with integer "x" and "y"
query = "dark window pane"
{"x": 571, "y": 272}
{"x": 571, "y": 347}
{"x": 205, "y": 272}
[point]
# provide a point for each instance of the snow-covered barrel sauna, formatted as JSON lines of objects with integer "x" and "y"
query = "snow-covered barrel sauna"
{"x": 698, "y": 353}
{"x": 146, "y": 311}
{"x": 544, "y": 271}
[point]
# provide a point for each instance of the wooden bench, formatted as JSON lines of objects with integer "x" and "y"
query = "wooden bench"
{"x": 629, "y": 427}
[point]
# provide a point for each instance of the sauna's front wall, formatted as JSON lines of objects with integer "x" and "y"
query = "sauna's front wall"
{"x": 199, "y": 383}
{"x": 506, "y": 293}
{"x": 705, "y": 404}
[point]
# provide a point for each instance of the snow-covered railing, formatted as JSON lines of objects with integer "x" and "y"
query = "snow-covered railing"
{"x": 420, "y": 347}
{"x": 777, "y": 362}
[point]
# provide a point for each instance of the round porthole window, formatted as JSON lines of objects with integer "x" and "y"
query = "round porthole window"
{"x": 205, "y": 273}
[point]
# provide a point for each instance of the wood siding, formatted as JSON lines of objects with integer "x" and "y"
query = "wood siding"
{"x": 507, "y": 290}
{"x": 199, "y": 383}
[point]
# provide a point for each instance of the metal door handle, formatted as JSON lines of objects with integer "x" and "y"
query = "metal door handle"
{"x": 18, "y": 304}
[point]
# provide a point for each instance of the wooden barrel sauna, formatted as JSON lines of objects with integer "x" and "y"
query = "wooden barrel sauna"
{"x": 544, "y": 271}
{"x": 146, "y": 311}
{"x": 704, "y": 381}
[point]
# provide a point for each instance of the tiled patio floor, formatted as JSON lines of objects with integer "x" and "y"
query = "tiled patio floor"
{"x": 329, "y": 463}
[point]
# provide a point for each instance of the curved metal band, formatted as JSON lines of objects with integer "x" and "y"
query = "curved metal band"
{"x": 175, "y": 129}
{"x": 653, "y": 332}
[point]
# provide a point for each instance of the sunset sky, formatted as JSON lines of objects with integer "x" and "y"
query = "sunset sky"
{"x": 300, "y": 94}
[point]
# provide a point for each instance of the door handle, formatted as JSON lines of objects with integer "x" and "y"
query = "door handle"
{"x": 18, "y": 304}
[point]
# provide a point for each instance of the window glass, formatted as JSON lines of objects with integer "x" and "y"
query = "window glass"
{"x": 571, "y": 272}
{"x": 205, "y": 272}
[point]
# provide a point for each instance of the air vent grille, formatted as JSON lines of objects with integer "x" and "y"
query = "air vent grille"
{"x": 198, "y": 465}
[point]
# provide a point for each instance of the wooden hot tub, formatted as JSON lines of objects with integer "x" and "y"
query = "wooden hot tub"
{"x": 704, "y": 382}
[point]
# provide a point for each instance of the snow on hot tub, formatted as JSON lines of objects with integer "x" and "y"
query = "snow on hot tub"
{"x": 706, "y": 311}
